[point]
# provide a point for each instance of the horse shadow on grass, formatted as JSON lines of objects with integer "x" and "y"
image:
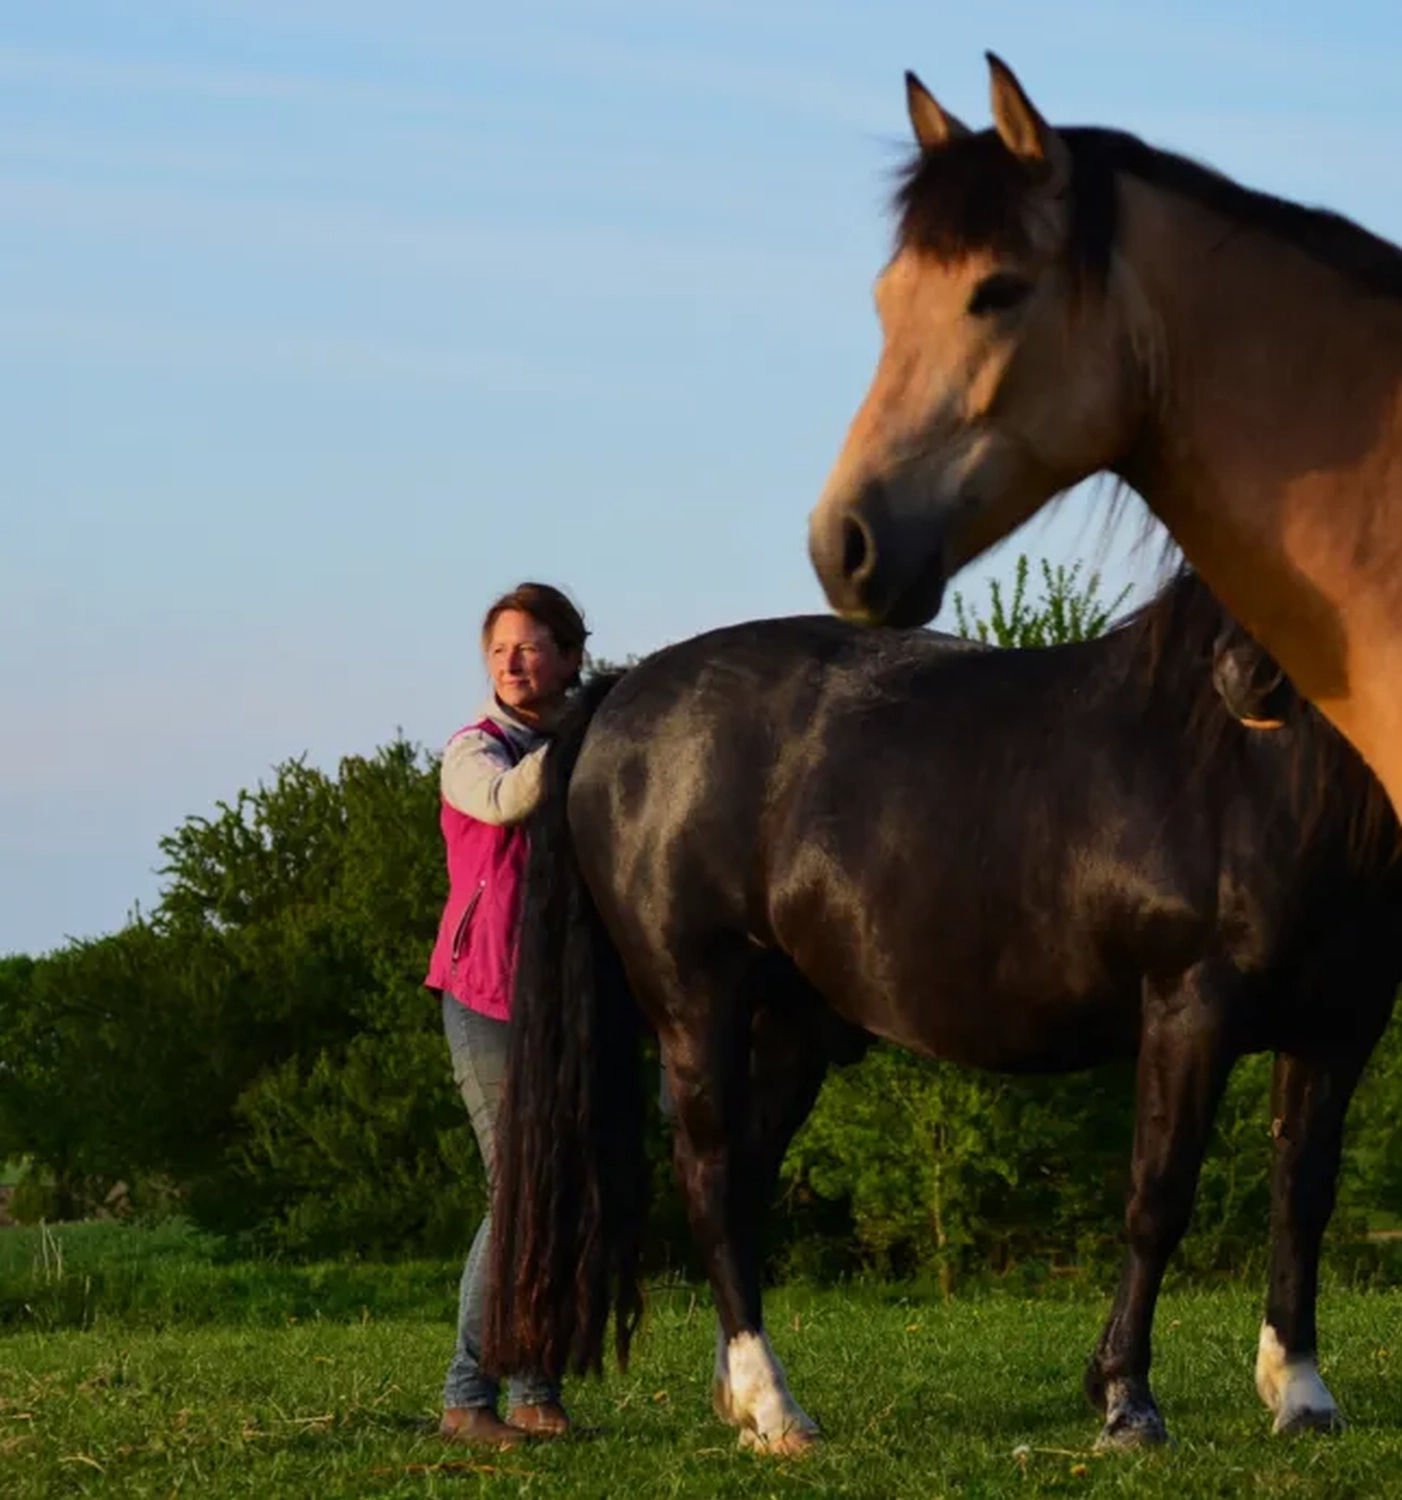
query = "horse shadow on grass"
{"x": 1031, "y": 1417}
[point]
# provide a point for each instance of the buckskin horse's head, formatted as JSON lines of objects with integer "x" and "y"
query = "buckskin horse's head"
{"x": 1007, "y": 368}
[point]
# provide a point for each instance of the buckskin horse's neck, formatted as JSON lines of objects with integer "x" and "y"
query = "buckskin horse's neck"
{"x": 1272, "y": 450}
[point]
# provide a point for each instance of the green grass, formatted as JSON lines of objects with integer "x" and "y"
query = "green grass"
{"x": 979, "y": 1397}
{"x": 89, "y": 1276}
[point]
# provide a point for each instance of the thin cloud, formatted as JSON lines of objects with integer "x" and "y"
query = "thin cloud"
{"x": 272, "y": 354}
{"x": 423, "y": 172}
{"x": 82, "y": 73}
{"x": 602, "y": 260}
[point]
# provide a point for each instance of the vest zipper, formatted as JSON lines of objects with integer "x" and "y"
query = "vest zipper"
{"x": 461, "y": 931}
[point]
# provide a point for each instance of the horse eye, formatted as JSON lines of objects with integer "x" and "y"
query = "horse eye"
{"x": 998, "y": 293}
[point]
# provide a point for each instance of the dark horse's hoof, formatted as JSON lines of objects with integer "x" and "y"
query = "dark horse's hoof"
{"x": 1131, "y": 1420}
{"x": 1309, "y": 1419}
{"x": 793, "y": 1442}
{"x": 1291, "y": 1387}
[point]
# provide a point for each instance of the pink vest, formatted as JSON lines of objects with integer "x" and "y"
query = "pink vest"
{"x": 474, "y": 958}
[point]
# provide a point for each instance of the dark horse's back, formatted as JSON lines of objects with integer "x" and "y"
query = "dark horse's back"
{"x": 979, "y": 854}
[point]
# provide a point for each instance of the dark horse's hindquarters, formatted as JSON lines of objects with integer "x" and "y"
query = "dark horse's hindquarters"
{"x": 795, "y": 834}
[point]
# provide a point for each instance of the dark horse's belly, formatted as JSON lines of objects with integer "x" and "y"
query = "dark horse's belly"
{"x": 1001, "y": 1022}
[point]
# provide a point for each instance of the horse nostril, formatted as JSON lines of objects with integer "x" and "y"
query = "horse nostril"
{"x": 858, "y": 553}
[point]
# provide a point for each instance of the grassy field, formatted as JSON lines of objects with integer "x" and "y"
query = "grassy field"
{"x": 137, "y": 1364}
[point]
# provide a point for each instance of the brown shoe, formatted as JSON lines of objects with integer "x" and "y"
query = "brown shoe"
{"x": 548, "y": 1420}
{"x": 478, "y": 1426}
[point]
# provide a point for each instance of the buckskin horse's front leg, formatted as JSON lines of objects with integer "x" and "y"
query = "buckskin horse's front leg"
{"x": 1183, "y": 1066}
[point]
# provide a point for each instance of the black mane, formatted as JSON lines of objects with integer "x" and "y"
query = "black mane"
{"x": 1170, "y": 643}
{"x": 968, "y": 195}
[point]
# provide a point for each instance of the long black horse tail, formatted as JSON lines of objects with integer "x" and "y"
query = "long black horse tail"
{"x": 570, "y": 1196}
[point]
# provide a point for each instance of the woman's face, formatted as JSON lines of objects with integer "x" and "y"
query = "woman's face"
{"x": 529, "y": 671}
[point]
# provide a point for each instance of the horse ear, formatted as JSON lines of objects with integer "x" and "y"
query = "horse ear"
{"x": 1025, "y": 133}
{"x": 932, "y": 125}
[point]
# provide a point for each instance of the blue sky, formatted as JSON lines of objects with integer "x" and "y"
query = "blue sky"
{"x": 324, "y": 322}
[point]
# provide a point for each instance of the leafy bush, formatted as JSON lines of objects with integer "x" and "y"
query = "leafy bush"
{"x": 1067, "y": 611}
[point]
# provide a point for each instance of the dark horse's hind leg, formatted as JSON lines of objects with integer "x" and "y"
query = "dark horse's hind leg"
{"x": 1309, "y": 1099}
{"x": 793, "y": 1038}
{"x": 1184, "y": 1061}
{"x": 741, "y": 1081}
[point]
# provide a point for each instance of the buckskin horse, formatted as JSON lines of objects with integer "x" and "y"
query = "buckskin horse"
{"x": 1067, "y": 301}
{"x": 777, "y": 841}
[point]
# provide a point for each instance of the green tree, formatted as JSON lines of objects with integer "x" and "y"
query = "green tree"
{"x": 342, "y": 1128}
{"x": 98, "y": 1011}
{"x": 261, "y": 1041}
{"x": 945, "y": 1169}
{"x": 598, "y": 666}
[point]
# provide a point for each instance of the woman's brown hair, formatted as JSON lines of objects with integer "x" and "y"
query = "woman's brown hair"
{"x": 549, "y": 605}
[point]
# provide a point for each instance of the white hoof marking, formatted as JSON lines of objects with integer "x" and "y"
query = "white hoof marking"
{"x": 1290, "y": 1385}
{"x": 759, "y": 1400}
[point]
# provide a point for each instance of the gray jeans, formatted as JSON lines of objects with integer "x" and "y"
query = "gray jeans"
{"x": 477, "y": 1046}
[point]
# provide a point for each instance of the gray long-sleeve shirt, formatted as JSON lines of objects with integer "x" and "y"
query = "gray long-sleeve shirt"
{"x": 478, "y": 777}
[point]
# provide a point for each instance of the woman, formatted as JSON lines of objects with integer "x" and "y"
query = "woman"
{"x": 533, "y": 640}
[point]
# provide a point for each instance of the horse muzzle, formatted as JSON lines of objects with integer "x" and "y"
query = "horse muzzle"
{"x": 878, "y": 567}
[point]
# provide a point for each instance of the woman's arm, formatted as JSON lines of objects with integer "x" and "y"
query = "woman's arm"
{"x": 479, "y": 779}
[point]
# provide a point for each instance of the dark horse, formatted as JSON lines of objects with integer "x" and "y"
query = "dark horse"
{"x": 779, "y": 840}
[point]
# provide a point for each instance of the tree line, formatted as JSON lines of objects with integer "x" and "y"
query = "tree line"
{"x": 256, "y": 1053}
